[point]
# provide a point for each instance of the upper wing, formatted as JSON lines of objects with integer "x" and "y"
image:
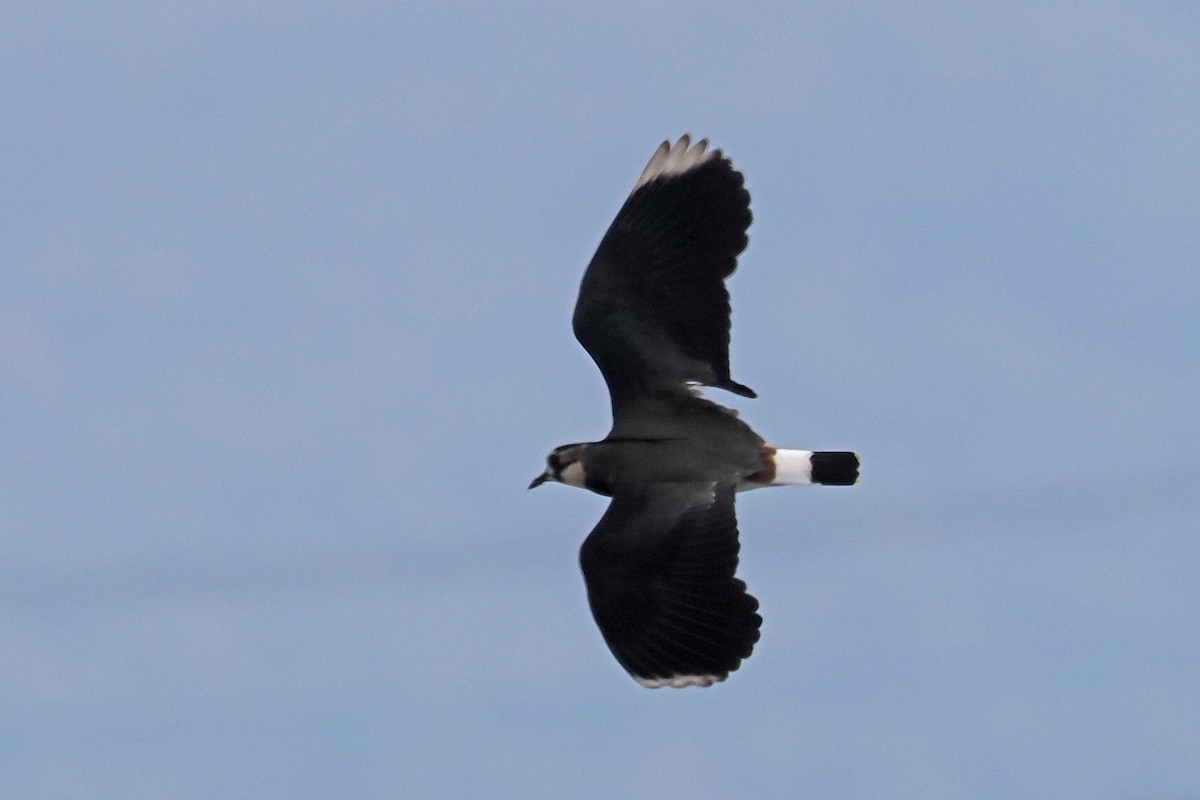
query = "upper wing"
{"x": 653, "y": 311}
{"x": 659, "y": 569}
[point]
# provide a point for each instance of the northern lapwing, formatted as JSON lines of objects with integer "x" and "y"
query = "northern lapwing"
{"x": 653, "y": 313}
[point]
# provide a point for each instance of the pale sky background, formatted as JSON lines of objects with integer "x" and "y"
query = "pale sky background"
{"x": 285, "y": 296}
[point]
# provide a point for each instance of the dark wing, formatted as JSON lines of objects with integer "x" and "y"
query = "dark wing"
{"x": 653, "y": 311}
{"x": 659, "y": 569}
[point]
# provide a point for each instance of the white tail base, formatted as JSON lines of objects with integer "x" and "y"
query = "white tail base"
{"x": 793, "y": 468}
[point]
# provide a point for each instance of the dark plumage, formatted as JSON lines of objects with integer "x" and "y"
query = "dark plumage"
{"x": 653, "y": 313}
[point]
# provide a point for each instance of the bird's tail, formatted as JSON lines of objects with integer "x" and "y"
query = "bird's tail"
{"x": 804, "y": 467}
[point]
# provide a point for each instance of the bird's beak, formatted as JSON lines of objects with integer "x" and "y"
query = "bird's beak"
{"x": 539, "y": 480}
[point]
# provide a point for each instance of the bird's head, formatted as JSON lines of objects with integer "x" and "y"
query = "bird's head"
{"x": 563, "y": 465}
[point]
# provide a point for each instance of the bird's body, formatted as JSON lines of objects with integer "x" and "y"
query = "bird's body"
{"x": 653, "y": 313}
{"x": 664, "y": 446}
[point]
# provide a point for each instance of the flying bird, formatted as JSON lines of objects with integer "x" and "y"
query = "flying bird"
{"x": 654, "y": 315}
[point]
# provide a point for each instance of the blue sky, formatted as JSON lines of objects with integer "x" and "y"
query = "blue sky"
{"x": 284, "y": 333}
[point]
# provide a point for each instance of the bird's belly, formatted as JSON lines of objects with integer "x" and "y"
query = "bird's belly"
{"x": 675, "y": 461}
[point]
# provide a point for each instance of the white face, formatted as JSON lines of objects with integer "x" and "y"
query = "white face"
{"x": 572, "y": 474}
{"x": 565, "y": 465}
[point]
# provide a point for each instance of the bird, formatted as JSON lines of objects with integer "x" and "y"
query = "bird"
{"x": 653, "y": 312}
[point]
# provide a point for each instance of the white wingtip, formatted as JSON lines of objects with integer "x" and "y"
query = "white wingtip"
{"x": 678, "y": 681}
{"x": 675, "y": 159}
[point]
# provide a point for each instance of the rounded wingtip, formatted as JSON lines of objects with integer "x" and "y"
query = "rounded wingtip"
{"x": 676, "y": 159}
{"x": 680, "y": 681}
